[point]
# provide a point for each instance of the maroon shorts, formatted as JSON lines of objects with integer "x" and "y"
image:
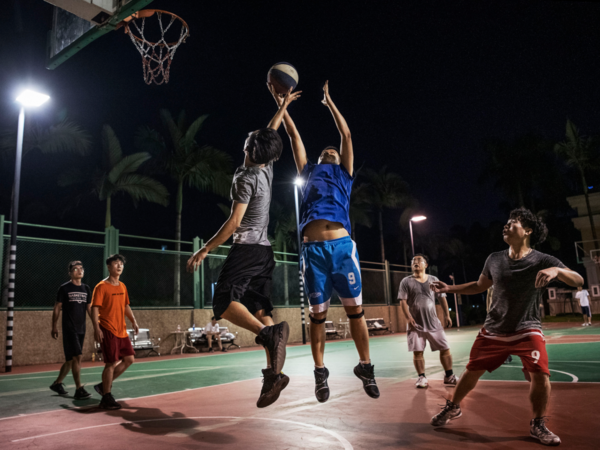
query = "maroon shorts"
{"x": 490, "y": 351}
{"x": 115, "y": 348}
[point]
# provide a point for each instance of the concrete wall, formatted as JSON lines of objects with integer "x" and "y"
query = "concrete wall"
{"x": 33, "y": 344}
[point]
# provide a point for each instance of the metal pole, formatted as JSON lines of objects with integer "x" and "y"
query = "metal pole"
{"x": 412, "y": 242}
{"x": 456, "y": 305}
{"x": 300, "y": 279}
{"x": 13, "y": 244}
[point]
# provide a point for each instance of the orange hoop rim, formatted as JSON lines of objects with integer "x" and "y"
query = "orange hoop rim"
{"x": 142, "y": 14}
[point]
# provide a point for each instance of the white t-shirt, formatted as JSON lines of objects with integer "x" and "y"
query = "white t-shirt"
{"x": 583, "y": 297}
{"x": 210, "y": 328}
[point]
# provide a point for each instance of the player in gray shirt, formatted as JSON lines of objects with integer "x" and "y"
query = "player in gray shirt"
{"x": 513, "y": 324}
{"x": 418, "y": 305}
{"x": 243, "y": 291}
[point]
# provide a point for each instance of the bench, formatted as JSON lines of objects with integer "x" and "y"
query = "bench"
{"x": 198, "y": 338}
{"x": 331, "y": 332}
{"x": 377, "y": 326}
{"x": 143, "y": 341}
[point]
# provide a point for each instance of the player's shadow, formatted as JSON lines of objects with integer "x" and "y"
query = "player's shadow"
{"x": 478, "y": 438}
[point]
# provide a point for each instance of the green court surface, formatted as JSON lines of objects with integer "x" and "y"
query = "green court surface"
{"x": 574, "y": 355}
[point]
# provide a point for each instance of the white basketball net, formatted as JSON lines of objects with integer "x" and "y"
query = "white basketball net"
{"x": 157, "y": 56}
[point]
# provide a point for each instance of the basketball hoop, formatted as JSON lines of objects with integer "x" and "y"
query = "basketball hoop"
{"x": 156, "y": 56}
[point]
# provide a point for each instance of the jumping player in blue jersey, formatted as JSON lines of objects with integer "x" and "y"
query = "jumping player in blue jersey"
{"x": 329, "y": 257}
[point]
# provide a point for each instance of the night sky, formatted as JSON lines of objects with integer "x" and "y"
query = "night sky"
{"x": 421, "y": 84}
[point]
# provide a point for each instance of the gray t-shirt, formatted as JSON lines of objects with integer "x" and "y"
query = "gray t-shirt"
{"x": 515, "y": 304}
{"x": 421, "y": 302}
{"x": 253, "y": 186}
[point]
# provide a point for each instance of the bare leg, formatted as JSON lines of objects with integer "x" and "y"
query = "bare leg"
{"x": 209, "y": 338}
{"x": 539, "y": 393}
{"x": 466, "y": 384}
{"x": 446, "y": 359}
{"x": 76, "y": 367}
{"x": 113, "y": 371}
{"x": 219, "y": 343}
{"x": 360, "y": 333}
{"x": 266, "y": 321}
{"x": 64, "y": 371}
{"x": 419, "y": 362}
{"x": 317, "y": 338}
{"x": 239, "y": 315}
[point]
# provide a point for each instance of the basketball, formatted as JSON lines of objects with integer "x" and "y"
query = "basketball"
{"x": 283, "y": 76}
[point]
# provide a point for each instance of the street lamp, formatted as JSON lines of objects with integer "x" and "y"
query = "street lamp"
{"x": 414, "y": 219}
{"x": 27, "y": 98}
{"x": 298, "y": 183}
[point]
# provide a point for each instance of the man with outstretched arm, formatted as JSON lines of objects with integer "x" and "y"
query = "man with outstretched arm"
{"x": 513, "y": 324}
{"x": 329, "y": 256}
{"x": 110, "y": 306}
{"x": 418, "y": 305}
{"x": 243, "y": 291}
{"x": 74, "y": 300}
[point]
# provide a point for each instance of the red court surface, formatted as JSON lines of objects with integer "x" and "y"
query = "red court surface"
{"x": 495, "y": 416}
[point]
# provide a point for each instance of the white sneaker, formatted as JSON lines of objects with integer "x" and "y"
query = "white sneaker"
{"x": 451, "y": 380}
{"x": 422, "y": 382}
{"x": 584, "y": 324}
{"x": 538, "y": 430}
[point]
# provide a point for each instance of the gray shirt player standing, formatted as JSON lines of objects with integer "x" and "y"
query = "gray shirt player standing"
{"x": 418, "y": 305}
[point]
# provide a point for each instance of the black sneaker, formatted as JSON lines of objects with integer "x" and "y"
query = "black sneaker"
{"x": 539, "y": 431}
{"x": 98, "y": 389}
{"x": 108, "y": 402}
{"x": 321, "y": 386}
{"x": 272, "y": 386}
{"x": 274, "y": 338}
{"x": 58, "y": 388}
{"x": 449, "y": 412}
{"x": 82, "y": 394}
{"x": 366, "y": 373}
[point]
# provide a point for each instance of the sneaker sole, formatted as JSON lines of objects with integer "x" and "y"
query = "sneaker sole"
{"x": 281, "y": 347}
{"x": 553, "y": 444}
{"x": 82, "y": 397}
{"x": 361, "y": 378}
{"x": 98, "y": 389}
{"x": 109, "y": 408}
{"x": 324, "y": 399}
{"x": 268, "y": 400}
{"x": 423, "y": 387}
{"x": 447, "y": 421}
{"x": 59, "y": 393}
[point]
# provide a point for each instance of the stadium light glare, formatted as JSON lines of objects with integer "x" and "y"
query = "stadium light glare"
{"x": 32, "y": 98}
{"x": 418, "y": 218}
{"x": 299, "y": 181}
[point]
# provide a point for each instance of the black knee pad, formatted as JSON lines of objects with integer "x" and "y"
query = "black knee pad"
{"x": 356, "y": 316}
{"x": 317, "y": 321}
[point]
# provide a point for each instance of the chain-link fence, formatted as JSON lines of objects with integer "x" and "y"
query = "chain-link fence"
{"x": 155, "y": 276}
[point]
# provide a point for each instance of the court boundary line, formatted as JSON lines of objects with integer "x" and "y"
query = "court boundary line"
{"x": 345, "y": 443}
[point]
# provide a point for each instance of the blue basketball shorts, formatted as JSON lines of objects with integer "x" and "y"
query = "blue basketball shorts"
{"x": 329, "y": 265}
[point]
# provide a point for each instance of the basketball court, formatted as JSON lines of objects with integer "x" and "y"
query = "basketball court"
{"x": 210, "y": 400}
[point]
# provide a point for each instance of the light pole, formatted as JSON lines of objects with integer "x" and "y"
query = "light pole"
{"x": 414, "y": 219}
{"x": 297, "y": 184}
{"x": 27, "y": 98}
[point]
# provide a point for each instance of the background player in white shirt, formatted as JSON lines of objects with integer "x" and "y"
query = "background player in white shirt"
{"x": 212, "y": 331}
{"x": 584, "y": 301}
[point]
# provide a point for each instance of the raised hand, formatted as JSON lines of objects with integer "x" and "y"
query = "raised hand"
{"x": 196, "y": 259}
{"x": 439, "y": 287}
{"x": 326, "y": 97}
{"x": 545, "y": 276}
{"x": 278, "y": 97}
{"x": 290, "y": 97}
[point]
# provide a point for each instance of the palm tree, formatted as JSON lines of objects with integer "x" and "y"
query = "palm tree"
{"x": 580, "y": 152}
{"x": 188, "y": 164}
{"x": 517, "y": 168}
{"x": 360, "y": 211}
{"x": 387, "y": 190}
{"x": 116, "y": 175}
{"x": 285, "y": 238}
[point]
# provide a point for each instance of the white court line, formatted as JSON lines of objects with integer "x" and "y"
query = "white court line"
{"x": 145, "y": 396}
{"x": 346, "y": 445}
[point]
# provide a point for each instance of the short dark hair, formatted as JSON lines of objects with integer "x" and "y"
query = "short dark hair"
{"x": 115, "y": 257}
{"x": 264, "y": 146}
{"x": 530, "y": 220}
{"x": 72, "y": 265}
{"x": 425, "y": 257}
{"x": 212, "y": 318}
{"x": 330, "y": 147}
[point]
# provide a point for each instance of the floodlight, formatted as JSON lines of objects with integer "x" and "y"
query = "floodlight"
{"x": 31, "y": 98}
{"x": 418, "y": 218}
{"x": 299, "y": 181}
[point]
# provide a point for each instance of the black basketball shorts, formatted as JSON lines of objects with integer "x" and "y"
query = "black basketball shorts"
{"x": 245, "y": 277}
{"x": 72, "y": 344}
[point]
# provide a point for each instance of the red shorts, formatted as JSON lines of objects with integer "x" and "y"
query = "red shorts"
{"x": 490, "y": 351}
{"x": 115, "y": 348}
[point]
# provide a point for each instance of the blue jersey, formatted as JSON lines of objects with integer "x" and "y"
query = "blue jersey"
{"x": 326, "y": 194}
